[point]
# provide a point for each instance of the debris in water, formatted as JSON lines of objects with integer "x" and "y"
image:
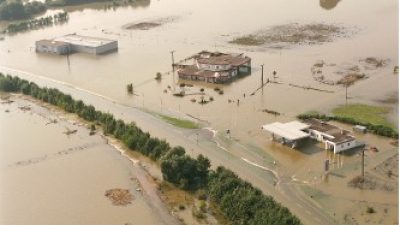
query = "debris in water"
{"x": 25, "y": 108}
{"x": 350, "y": 78}
{"x": 292, "y": 34}
{"x": 120, "y": 197}
{"x": 275, "y": 113}
{"x": 69, "y": 131}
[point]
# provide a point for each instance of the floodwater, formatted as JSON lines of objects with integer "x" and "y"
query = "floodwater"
{"x": 48, "y": 177}
{"x": 196, "y": 25}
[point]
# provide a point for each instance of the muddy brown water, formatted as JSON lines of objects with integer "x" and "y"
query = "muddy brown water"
{"x": 54, "y": 178}
{"x": 211, "y": 25}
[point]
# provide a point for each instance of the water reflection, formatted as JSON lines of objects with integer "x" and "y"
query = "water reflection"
{"x": 328, "y": 4}
{"x": 110, "y": 5}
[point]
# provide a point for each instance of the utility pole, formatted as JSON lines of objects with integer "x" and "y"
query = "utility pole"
{"x": 173, "y": 69}
{"x": 172, "y": 57}
{"x": 262, "y": 75}
{"x": 68, "y": 62}
{"x": 346, "y": 85}
{"x": 362, "y": 164}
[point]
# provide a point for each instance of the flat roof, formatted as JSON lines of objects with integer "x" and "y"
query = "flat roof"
{"x": 83, "y": 40}
{"x": 51, "y": 43}
{"x": 291, "y": 131}
{"x": 225, "y": 59}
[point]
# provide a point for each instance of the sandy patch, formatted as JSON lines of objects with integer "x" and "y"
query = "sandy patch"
{"x": 290, "y": 34}
{"x": 150, "y": 24}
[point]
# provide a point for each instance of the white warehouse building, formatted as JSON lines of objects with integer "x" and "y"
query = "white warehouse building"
{"x": 76, "y": 43}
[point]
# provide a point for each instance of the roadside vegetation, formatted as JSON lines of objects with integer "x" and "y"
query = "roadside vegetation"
{"x": 238, "y": 200}
{"x": 182, "y": 123}
{"x": 364, "y": 113}
{"x": 17, "y": 10}
{"x": 37, "y": 23}
{"x": 21, "y": 10}
{"x": 371, "y": 117}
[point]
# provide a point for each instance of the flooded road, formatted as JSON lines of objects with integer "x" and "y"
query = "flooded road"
{"x": 63, "y": 181}
{"x": 197, "y": 25}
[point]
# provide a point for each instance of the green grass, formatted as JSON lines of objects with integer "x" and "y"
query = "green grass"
{"x": 180, "y": 122}
{"x": 364, "y": 113}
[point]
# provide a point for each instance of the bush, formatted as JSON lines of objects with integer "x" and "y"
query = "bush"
{"x": 202, "y": 195}
{"x": 379, "y": 129}
{"x": 158, "y": 76}
{"x": 370, "y": 210}
{"x": 129, "y": 88}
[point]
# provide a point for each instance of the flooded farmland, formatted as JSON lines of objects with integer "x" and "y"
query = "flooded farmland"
{"x": 55, "y": 178}
{"x": 211, "y": 25}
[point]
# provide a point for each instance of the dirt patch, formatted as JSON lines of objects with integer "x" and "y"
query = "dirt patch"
{"x": 389, "y": 168}
{"x": 345, "y": 73}
{"x": 373, "y": 63}
{"x": 120, "y": 197}
{"x": 143, "y": 26}
{"x": 147, "y": 25}
{"x": 350, "y": 79}
{"x": 391, "y": 99}
{"x": 292, "y": 34}
{"x": 370, "y": 182}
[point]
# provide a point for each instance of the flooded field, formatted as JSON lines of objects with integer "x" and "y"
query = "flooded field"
{"x": 189, "y": 27}
{"x": 49, "y": 177}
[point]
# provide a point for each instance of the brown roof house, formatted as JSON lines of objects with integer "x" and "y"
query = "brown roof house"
{"x": 334, "y": 138}
{"x": 215, "y": 67}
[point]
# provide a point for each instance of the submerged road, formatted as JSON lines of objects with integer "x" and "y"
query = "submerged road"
{"x": 247, "y": 163}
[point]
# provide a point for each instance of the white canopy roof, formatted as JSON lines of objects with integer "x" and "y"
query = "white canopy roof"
{"x": 291, "y": 131}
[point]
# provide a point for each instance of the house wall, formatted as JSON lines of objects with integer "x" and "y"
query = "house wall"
{"x": 60, "y": 49}
{"x": 83, "y": 48}
{"x": 213, "y": 67}
{"x": 316, "y": 135}
{"x": 344, "y": 146}
{"x": 107, "y": 47}
{"x": 245, "y": 68}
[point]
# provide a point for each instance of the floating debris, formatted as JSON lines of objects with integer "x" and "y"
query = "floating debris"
{"x": 293, "y": 33}
{"x": 350, "y": 79}
{"x": 275, "y": 113}
{"x": 7, "y": 101}
{"x": 310, "y": 88}
{"x": 120, "y": 197}
{"x": 25, "y": 108}
{"x": 69, "y": 131}
{"x": 179, "y": 94}
{"x": 51, "y": 121}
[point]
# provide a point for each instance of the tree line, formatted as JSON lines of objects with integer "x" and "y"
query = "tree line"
{"x": 378, "y": 129}
{"x": 36, "y": 23}
{"x": 16, "y": 10}
{"x": 239, "y": 201}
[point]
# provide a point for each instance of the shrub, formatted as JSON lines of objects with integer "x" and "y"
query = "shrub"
{"x": 370, "y": 210}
